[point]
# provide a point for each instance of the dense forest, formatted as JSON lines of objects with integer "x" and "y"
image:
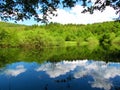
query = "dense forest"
{"x": 54, "y": 34}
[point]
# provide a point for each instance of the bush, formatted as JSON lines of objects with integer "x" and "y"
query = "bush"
{"x": 4, "y": 37}
{"x": 116, "y": 41}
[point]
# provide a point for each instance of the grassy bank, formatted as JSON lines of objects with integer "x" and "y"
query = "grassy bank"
{"x": 105, "y": 34}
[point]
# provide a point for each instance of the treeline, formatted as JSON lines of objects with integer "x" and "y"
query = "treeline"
{"x": 54, "y": 34}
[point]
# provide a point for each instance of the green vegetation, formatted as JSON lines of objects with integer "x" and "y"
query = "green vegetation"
{"x": 12, "y": 55}
{"x": 100, "y": 41}
{"x": 54, "y": 34}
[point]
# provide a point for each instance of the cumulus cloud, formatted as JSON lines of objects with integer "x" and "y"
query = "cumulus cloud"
{"x": 76, "y": 17}
{"x": 15, "y": 72}
{"x": 101, "y": 83}
{"x": 55, "y": 70}
{"x": 61, "y": 68}
{"x": 99, "y": 70}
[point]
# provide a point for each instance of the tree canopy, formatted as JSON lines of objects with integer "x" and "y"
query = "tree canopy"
{"x": 25, "y": 9}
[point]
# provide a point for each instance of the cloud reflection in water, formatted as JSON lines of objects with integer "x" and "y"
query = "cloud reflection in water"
{"x": 100, "y": 71}
{"x": 15, "y": 72}
{"x": 87, "y": 74}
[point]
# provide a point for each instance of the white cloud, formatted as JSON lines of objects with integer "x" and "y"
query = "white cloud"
{"x": 14, "y": 72}
{"x": 55, "y": 70}
{"x": 76, "y": 17}
{"x": 101, "y": 83}
{"x": 61, "y": 68}
{"x": 99, "y": 70}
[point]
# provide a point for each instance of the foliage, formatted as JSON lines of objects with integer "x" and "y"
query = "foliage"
{"x": 25, "y": 9}
{"x": 54, "y": 34}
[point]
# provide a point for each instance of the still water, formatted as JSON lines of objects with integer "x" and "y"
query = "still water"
{"x": 64, "y": 75}
{"x": 59, "y": 70}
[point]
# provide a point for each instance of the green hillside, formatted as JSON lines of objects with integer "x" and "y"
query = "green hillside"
{"x": 54, "y": 34}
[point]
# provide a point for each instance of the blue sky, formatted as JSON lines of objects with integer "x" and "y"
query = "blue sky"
{"x": 74, "y": 16}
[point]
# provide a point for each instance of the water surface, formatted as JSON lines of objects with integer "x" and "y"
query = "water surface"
{"x": 66, "y": 68}
{"x": 64, "y": 75}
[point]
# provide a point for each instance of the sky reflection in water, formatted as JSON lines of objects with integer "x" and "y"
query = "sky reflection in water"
{"x": 65, "y": 75}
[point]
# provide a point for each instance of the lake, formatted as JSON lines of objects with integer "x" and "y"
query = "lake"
{"x": 63, "y": 68}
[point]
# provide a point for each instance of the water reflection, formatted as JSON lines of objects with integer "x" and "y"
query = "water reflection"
{"x": 11, "y": 55}
{"x": 64, "y": 75}
{"x": 15, "y": 71}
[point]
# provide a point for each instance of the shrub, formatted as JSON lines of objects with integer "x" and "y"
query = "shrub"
{"x": 4, "y": 37}
{"x": 116, "y": 41}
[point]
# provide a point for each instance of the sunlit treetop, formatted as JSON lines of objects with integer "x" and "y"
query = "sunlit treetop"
{"x": 25, "y": 9}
